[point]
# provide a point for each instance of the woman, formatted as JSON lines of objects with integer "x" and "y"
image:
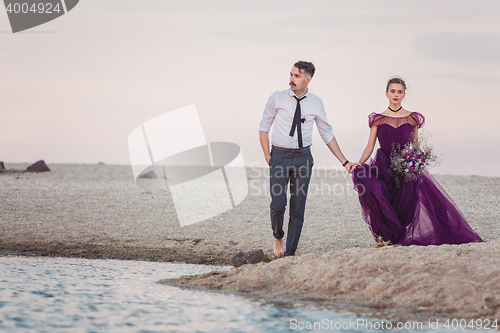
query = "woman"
{"x": 412, "y": 212}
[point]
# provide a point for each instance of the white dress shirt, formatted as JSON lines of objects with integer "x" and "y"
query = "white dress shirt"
{"x": 280, "y": 109}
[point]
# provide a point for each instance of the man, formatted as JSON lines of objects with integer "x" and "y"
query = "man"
{"x": 293, "y": 113}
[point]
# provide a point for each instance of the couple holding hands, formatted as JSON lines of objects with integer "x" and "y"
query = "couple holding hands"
{"x": 413, "y": 212}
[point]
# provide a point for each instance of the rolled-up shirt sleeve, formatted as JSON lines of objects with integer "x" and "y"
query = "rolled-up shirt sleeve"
{"x": 269, "y": 113}
{"x": 324, "y": 128}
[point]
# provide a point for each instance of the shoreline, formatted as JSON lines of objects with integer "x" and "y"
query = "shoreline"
{"x": 462, "y": 294}
{"x": 446, "y": 281}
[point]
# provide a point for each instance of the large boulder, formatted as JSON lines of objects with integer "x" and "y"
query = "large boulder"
{"x": 39, "y": 166}
{"x": 2, "y": 166}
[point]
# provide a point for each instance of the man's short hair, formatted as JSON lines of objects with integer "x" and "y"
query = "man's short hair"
{"x": 306, "y": 66}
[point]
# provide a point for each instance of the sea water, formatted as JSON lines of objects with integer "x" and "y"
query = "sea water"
{"x": 52, "y": 294}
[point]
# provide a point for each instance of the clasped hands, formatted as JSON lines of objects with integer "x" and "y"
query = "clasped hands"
{"x": 351, "y": 166}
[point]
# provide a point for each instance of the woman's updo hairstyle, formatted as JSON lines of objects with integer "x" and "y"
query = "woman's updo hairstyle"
{"x": 395, "y": 79}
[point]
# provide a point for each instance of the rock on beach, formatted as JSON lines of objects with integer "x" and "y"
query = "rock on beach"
{"x": 250, "y": 257}
{"x": 38, "y": 166}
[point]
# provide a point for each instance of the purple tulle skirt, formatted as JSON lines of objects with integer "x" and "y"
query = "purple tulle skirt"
{"x": 417, "y": 212}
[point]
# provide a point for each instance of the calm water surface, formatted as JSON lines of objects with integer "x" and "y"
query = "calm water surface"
{"x": 46, "y": 294}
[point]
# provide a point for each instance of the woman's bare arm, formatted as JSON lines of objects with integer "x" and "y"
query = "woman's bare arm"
{"x": 371, "y": 144}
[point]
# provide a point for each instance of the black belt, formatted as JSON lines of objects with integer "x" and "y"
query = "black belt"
{"x": 292, "y": 150}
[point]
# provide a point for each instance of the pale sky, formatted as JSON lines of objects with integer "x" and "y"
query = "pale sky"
{"x": 74, "y": 88}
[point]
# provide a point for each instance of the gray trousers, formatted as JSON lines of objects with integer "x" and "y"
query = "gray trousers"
{"x": 294, "y": 168}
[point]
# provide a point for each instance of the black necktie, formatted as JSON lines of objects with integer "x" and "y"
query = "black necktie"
{"x": 296, "y": 121}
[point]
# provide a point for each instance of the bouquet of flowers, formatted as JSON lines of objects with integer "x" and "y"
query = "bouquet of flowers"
{"x": 408, "y": 163}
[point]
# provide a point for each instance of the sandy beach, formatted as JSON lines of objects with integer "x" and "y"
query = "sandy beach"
{"x": 97, "y": 211}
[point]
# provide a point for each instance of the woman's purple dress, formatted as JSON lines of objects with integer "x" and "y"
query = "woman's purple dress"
{"x": 417, "y": 212}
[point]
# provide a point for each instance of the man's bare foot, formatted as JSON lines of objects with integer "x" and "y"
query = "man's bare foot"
{"x": 278, "y": 248}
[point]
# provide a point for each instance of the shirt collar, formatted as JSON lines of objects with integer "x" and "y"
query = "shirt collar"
{"x": 291, "y": 93}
